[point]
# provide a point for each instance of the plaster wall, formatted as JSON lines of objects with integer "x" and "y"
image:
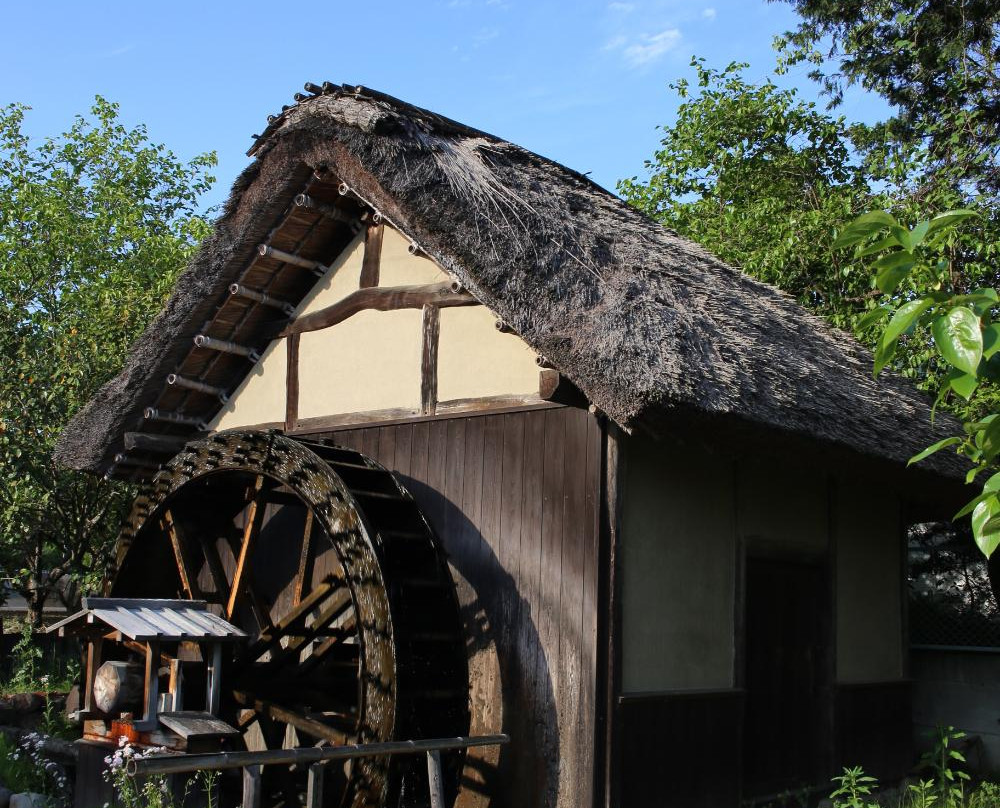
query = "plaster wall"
{"x": 688, "y": 513}
{"x": 371, "y": 361}
{"x": 869, "y": 545}
{"x": 678, "y": 568}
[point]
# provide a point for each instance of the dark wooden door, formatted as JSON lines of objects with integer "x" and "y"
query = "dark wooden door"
{"x": 786, "y": 725}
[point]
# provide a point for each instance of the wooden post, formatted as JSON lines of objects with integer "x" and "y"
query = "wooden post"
{"x": 314, "y": 786}
{"x": 251, "y": 787}
{"x": 152, "y": 685}
{"x": 428, "y": 359}
{"x": 434, "y": 780}
{"x": 176, "y": 685}
{"x": 292, "y": 383}
{"x": 93, "y": 657}
{"x": 213, "y": 685}
{"x": 370, "y": 264}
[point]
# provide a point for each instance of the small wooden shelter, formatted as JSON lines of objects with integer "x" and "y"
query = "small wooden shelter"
{"x": 673, "y": 502}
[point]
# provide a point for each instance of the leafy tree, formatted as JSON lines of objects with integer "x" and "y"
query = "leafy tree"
{"x": 937, "y": 63}
{"x": 94, "y": 226}
{"x": 760, "y": 177}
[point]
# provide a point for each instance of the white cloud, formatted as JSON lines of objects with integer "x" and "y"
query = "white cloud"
{"x": 651, "y": 47}
{"x": 614, "y": 43}
{"x": 622, "y": 8}
{"x": 708, "y": 14}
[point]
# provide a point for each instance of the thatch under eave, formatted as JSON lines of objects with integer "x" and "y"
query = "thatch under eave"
{"x": 640, "y": 319}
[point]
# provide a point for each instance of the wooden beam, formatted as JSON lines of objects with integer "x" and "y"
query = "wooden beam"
{"x": 388, "y": 298}
{"x": 292, "y": 383}
{"x": 373, "y": 256}
{"x": 428, "y": 359}
{"x": 255, "y": 519}
{"x": 189, "y": 580}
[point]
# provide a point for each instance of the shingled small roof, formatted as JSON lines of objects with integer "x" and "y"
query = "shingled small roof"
{"x": 646, "y": 323}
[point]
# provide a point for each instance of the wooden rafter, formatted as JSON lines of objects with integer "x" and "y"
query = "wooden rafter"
{"x": 388, "y": 298}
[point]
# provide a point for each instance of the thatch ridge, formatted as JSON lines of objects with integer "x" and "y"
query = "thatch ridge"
{"x": 637, "y": 317}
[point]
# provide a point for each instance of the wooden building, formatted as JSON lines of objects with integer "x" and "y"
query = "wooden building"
{"x": 672, "y": 500}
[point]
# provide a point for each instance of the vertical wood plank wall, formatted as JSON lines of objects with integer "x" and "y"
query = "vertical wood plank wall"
{"x": 515, "y": 500}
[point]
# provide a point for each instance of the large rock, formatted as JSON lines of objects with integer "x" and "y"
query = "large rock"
{"x": 28, "y": 799}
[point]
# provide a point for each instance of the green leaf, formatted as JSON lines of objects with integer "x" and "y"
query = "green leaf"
{"x": 949, "y": 219}
{"x": 905, "y": 316}
{"x": 884, "y": 352}
{"x": 935, "y": 447}
{"x": 964, "y": 384}
{"x": 892, "y": 269}
{"x": 917, "y": 235}
{"x": 991, "y": 340}
{"x": 987, "y": 536}
{"x": 863, "y": 227}
{"x": 959, "y": 338}
{"x": 872, "y": 317}
{"x": 879, "y": 246}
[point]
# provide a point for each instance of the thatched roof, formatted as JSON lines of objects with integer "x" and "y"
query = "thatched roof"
{"x": 644, "y": 322}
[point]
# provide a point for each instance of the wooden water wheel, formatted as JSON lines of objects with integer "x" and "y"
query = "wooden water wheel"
{"x": 325, "y": 560}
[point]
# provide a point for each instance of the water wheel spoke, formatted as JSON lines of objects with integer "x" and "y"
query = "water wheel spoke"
{"x": 305, "y": 559}
{"x": 338, "y": 606}
{"x": 300, "y": 722}
{"x": 251, "y": 530}
{"x": 186, "y": 570}
{"x": 291, "y": 623}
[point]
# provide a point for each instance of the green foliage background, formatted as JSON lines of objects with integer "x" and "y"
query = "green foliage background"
{"x": 95, "y": 224}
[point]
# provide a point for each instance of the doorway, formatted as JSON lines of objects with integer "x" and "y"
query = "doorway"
{"x": 787, "y": 675}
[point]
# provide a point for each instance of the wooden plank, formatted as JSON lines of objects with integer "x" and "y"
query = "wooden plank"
{"x": 549, "y": 617}
{"x": 373, "y": 256}
{"x": 437, "y": 464}
{"x": 381, "y": 298}
{"x": 387, "y": 446}
{"x": 651, "y": 756}
{"x": 454, "y": 487}
{"x": 254, "y": 521}
{"x": 512, "y": 480}
{"x": 431, "y": 331}
{"x": 292, "y": 383}
{"x": 610, "y": 467}
{"x": 536, "y": 682}
{"x": 188, "y": 576}
{"x": 370, "y": 442}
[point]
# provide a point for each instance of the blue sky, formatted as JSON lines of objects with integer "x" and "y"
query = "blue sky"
{"x": 584, "y": 83}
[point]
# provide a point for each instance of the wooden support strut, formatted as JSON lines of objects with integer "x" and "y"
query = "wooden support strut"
{"x": 389, "y": 298}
